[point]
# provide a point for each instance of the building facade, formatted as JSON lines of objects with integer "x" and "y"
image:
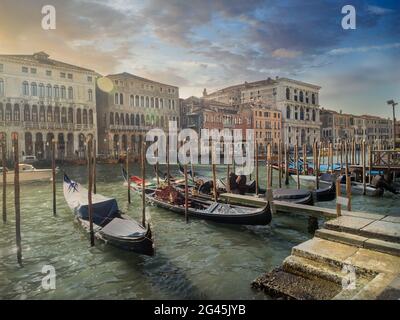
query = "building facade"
{"x": 338, "y": 126}
{"x": 267, "y": 125}
{"x": 132, "y": 107}
{"x": 298, "y": 103}
{"x": 42, "y": 99}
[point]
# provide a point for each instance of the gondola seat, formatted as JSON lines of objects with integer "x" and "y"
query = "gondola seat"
{"x": 123, "y": 228}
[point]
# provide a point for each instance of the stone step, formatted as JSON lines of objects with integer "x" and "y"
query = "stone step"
{"x": 386, "y": 230}
{"x": 281, "y": 284}
{"x": 392, "y": 248}
{"x": 328, "y": 252}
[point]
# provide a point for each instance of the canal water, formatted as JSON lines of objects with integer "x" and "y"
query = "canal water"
{"x": 199, "y": 260}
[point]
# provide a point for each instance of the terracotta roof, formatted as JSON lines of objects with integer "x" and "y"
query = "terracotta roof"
{"x": 43, "y": 59}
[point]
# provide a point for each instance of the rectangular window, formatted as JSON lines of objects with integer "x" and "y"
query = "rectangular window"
{"x": 25, "y": 69}
{"x": 70, "y": 76}
{"x": 1, "y": 67}
{"x": 48, "y": 73}
{"x": 62, "y": 75}
{"x": 33, "y": 70}
{"x": 89, "y": 79}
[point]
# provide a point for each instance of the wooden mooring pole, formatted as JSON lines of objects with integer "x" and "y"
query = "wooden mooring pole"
{"x": 338, "y": 196}
{"x": 363, "y": 157}
{"x": 143, "y": 158}
{"x": 90, "y": 189}
{"x": 296, "y": 155}
{"x": 348, "y": 179}
{"x": 370, "y": 162}
{"x": 305, "y": 166}
{"x": 186, "y": 194}
{"x": 286, "y": 164}
{"x": 3, "y": 161}
{"x": 53, "y": 171}
{"x": 256, "y": 158}
{"x": 94, "y": 167}
{"x": 280, "y": 164}
{"x": 168, "y": 169}
{"x": 17, "y": 199}
{"x": 127, "y": 174}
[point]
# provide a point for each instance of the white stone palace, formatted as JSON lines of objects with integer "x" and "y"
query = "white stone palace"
{"x": 298, "y": 102}
{"x": 42, "y": 99}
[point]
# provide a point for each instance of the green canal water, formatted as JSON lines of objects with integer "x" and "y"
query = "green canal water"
{"x": 199, "y": 260}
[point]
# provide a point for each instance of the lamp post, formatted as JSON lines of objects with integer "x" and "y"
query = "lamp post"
{"x": 393, "y": 104}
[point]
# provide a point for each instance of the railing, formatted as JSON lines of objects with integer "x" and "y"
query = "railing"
{"x": 388, "y": 158}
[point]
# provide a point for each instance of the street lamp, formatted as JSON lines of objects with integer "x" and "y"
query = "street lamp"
{"x": 393, "y": 104}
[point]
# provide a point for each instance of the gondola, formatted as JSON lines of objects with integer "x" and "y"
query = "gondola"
{"x": 214, "y": 211}
{"x": 357, "y": 188}
{"x": 293, "y": 196}
{"x": 110, "y": 225}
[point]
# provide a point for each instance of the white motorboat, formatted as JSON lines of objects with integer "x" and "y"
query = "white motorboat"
{"x": 27, "y": 173}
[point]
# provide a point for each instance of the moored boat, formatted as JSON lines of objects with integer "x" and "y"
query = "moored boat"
{"x": 110, "y": 225}
{"x": 28, "y": 173}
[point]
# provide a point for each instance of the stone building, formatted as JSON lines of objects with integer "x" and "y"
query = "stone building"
{"x": 297, "y": 101}
{"x": 42, "y": 99}
{"x": 267, "y": 124}
{"x": 132, "y": 107}
{"x": 337, "y": 126}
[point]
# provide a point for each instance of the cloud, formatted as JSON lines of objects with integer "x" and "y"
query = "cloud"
{"x": 284, "y": 53}
{"x": 379, "y": 10}
{"x": 364, "y": 49}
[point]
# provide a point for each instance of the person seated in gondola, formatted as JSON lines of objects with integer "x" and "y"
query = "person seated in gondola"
{"x": 206, "y": 187}
{"x": 237, "y": 183}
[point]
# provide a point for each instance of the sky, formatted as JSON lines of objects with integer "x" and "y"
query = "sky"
{"x": 197, "y": 44}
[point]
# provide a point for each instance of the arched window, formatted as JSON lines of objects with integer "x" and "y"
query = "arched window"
{"x": 49, "y": 114}
{"x": 70, "y": 93}
{"x": 111, "y": 118}
{"x": 8, "y": 112}
{"x": 64, "y": 115}
{"x": 147, "y": 102}
{"x": 147, "y": 120}
{"x": 1, "y": 112}
{"x": 34, "y": 114}
{"x": 173, "y": 104}
{"x": 301, "y": 96}
{"x": 116, "y": 98}
{"x": 137, "y": 120}
{"x": 63, "y": 92}
{"x": 121, "y": 98}
{"x": 1, "y": 87}
{"x": 25, "y": 88}
{"x": 288, "y": 112}
{"x": 127, "y": 119}
{"x": 16, "y": 112}
{"x": 142, "y": 120}
{"x": 41, "y": 90}
{"x": 136, "y": 101}
{"x": 85, "y": 117}
{"x": 49, "y": 91}
{"x": 156, "y": 102}
{"x": 34, "y": 92}
{"x": 70, "y": 115}
{"x": 157, "y": 121}
{"x": 42, "y": 114}
{"x": 56, "y": 92}
{"x": 27, "y": 113}
{"x": 313, "y": 98}
{"x": 142, "y": 101}
{"x": 131, "y": 100}
{"x": 79, "y": 116}
{"x": 90, "y": 116}
{"x": 116, "y": 118}
{"x": 121, "y": 119}
{"x": 313, "y": 115}
{"x": 90, "y": 95}
{"x": 161, "y": 103}
{"x": 301, "y": 113}
{"x": 162, "y": 121}
{"x": 152, "y": 102}
{"x": 287, "y": 93}
{"x": 57, "y": 114}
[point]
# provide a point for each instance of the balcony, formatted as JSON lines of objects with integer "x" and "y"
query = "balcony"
{"x": 33, "y": 125}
